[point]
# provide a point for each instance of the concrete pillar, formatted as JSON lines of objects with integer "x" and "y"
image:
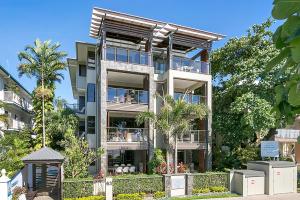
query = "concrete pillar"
{"x": 189, "y": 184}
{"x": 5, "y": 193}
{"x": 209, "y": 129}
{"x": 108, "y": 189}
{"x": 167, "y": 184}
{"x": 152, "y": 90}
{"x": 170, "y": 83}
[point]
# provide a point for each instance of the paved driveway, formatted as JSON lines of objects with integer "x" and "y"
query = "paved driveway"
{"x": 266, "y": 197}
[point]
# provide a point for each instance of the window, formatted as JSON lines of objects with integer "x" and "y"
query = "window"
{"x": 81, "y": 102}
{"x": 91, "y": 92}
{"x": 110, "y": 53}
{"x": 122, "y": 55}
{"x": 91, "y": 56}
{"x": 144, "y": 58}
{"x": 82, "y": 70}
{"x": 91, "y": 125}
{"x": 134, "y": 57}
{"x": 81, "y": 127}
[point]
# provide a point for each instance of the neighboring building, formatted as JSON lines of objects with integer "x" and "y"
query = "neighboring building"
{"x": 18, "y": 105}
{"x": 116, "y": 78}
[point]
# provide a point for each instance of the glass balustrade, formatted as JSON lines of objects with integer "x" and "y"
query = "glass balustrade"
{"x": 130, "y": 96}
{"x": 188, "y": 65}
{"x": 193, "y": 136}
{"x": 127, "y": 56}
{"x": 190, "y": 98}
{"x": 120, "y": 134}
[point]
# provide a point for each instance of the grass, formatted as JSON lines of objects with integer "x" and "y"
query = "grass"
{"x": 205, "y": 197}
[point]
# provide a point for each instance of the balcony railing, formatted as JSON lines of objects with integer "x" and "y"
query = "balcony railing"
{"x": 11, "y": 97}
{"x": 188, "y": 65}
{"x": 127, "y": 56}
{"x": 193, "y": 136}
{"x": 287, "y": 133}
{"x": 130, "y": 96}
{"x": 15, "y": 124}
{"x": 79, "y": 109}
{"x": 116, "y": 134}
{"x": 190, "y": 98}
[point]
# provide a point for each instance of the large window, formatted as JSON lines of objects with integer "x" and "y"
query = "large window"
{"x": 82, "y": 70}
{"x": 91, "y": 92}
{"x": 91, "y": 125}
{"x": 122, "y": 55}
{"x": 81, "y": 102}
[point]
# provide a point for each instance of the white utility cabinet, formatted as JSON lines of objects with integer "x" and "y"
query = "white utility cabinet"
{"x": 247, "y": 182}
{"x": 281, "y": 176}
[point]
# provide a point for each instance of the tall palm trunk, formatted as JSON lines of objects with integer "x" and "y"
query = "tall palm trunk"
{"x": 176, "y": 156}
{"x": 168, "y": 154}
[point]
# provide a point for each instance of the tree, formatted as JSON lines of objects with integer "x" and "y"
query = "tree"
{"x": 243, "y": 92}
{"x": 287, "y": 40}
{"x": 44, "y": 62}
{"x": 78, "y": 155}
{"x": 14, "y": 146}
{"x": 59, "y": 121}
{"x": 173, "y": 120}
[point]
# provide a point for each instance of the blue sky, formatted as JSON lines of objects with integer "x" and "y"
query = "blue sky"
{"x": 21, "y": 22}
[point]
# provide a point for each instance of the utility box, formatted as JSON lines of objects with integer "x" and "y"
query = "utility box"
{"x": 281, "y": 176}
{"x": 247, "y": 182}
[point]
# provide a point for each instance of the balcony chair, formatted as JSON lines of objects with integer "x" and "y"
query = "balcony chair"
{"x": 132, "y": 169}
{"x": 119, "y": 170}
{"x": 125, "y": 169}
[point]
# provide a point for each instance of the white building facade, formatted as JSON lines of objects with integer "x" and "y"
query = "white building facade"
{"x": 115, "y": 78}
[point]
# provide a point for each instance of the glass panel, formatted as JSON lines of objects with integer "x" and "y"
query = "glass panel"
{"x": 134, "y": 57}
{"x": 111, "y": 94}
{"x": 204, "y": 67}
{"x": 144, "y": 58}
{"x": 91, "y": 124}
{"x": 121, "y": 95}
{"x": 177, "y": 63}
{"x": 143, "y": 97}
{"x": 110, "y": 53}
{"x": 195, "y": 99}
{"x": 122, "y": 55}
{"x": 91, "y": 87}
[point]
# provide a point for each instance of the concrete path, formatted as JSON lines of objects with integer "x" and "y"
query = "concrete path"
{"x": 265, "y": 197}
{"x": 43, "y": 198}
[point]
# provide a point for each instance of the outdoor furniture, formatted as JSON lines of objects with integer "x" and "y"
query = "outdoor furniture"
{"x": 128, "y": 165}
{"x": 123, "y": 165}
{"x": 119, "y": 170}
{"x": 125, "y": 169}
{"x": 132, "y": 169}
{"x": 128, "y": 137}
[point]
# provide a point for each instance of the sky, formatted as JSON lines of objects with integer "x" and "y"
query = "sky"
{"x": 67, "y": 21}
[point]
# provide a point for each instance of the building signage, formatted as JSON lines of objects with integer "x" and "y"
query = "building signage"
{"x": 178, "y": 182}
{"x": 269, "y": 149}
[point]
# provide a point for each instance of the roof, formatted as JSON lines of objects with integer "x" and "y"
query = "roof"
{"x": 159, "y": 28}
{"x": 275, "y": 164}
{"x": 15, "y": 80}
{"x": 44, "y": 154}
{"x": 250, "y": 173}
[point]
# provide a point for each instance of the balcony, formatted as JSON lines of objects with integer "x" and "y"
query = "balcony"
{"x": 13, "y": 98}
{"x": 193, "y": 139}
{"x": 127, "y": 138}
{"x": 127, "y": 99}
{"x": 127, "y": 56}
{"x": 191, "y": 98}
{"x": 78, "y": 109}
{"x": 14, "y": 124}
{"x": 287, "y": 135}
{"x": 188, "y": 65}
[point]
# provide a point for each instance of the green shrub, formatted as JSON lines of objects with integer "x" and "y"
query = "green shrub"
{"x": 218, "y": 189}
{"x": 134, "y": 196}
{"x": 200, "y": 191}
{"x": 210, "y": 179}
{"x": 159, "y": 194}
{"x": 87, "y": 198}
{"x": 137, "y": 184}
{"x": 75, "y": 188}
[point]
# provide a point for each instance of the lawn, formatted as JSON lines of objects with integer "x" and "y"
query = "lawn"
{"x": 205, "y": 197}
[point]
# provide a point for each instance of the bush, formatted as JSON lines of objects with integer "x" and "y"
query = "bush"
{"x": 134, "y": 196}
{"x": 201, "y": 190}
{"x": 159, "y": 195}
{"x": 210, "y": 179}
{"x": 137, "y": 184}
{"x": 87, "y": 198}
{"x": 218, "y": 189}
{"x": 75, "y": 188}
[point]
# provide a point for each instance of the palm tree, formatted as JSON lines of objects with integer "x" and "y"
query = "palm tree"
{"x": 44, "y": 62}
{"x": 173, "y": 120}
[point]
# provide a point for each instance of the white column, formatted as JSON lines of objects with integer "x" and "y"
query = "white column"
{"x": 4, "y": 186}
{"x": 108, "y": 189}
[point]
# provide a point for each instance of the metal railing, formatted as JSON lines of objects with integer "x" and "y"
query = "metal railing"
{"x": 11, "y": 97}
{"x": 288, "y": 133}
{"x": 15, "y": 124}
{"x": 188, "y": 65}
{"x": 191, "y": 98}
{"x": 193, "y": 136}
{"x": 76, "y": 108}
{"x": 130, "y": 96}
{"x": 127, "y": 55}
{"x": 118, "y": 134}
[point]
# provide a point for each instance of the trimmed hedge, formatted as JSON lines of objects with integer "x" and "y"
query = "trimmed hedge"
{"x": 87, "y": 198}
{"x": 134, "y": 196}
{"x": 137, "y": 184}
{"x": 210, "y": 179}
{"x": 75, "y": 188}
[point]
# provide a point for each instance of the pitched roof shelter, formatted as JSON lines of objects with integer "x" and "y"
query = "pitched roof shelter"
{"x": 44, "y": 155}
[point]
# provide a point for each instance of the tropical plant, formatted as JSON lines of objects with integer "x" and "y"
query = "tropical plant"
{"x": 174, "y": 119}
{"x": 287, "y": 40}
{"x": 78, "y": 155}
{"x": 44, "y": 62}
{"x": 156, "y": 160}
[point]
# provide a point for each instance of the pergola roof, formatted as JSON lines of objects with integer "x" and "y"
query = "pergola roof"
{"x": 160, "y": 30}
{"x": 44, "y": 155}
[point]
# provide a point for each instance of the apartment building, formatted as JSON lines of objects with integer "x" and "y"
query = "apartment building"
{"x": 17, "y": 103}
{"x": 117, "y": 77}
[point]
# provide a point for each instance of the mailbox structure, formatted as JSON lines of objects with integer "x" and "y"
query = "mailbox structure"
{"x": 281, "y": 176}
{"x": 247, "y": 182}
